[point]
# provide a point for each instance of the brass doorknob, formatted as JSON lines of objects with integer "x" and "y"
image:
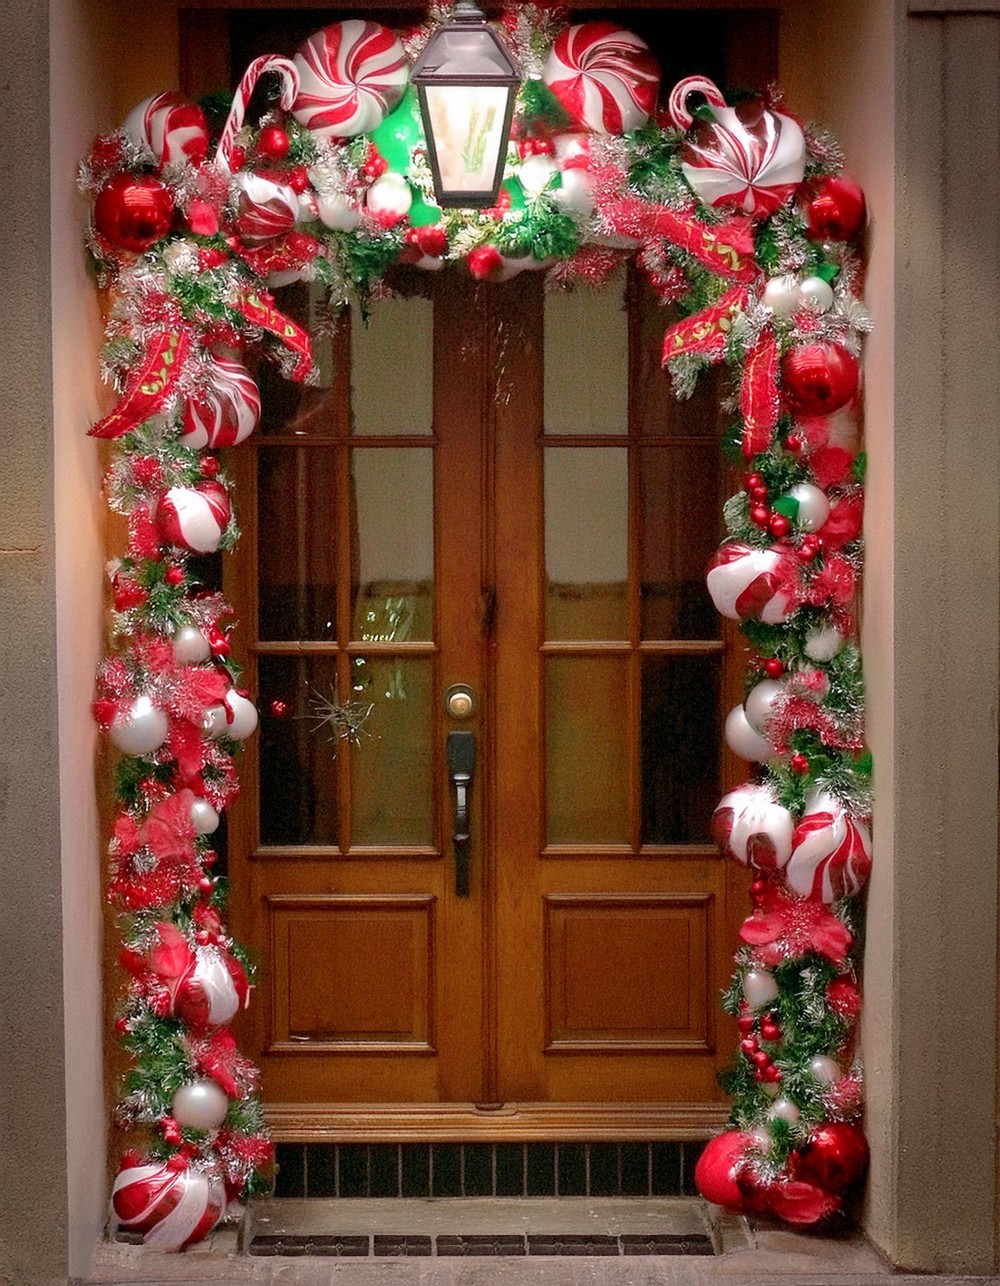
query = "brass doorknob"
{"x": 459, "y": 701}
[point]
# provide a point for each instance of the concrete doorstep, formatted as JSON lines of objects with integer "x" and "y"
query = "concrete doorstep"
{"x": 572, "y": 1241}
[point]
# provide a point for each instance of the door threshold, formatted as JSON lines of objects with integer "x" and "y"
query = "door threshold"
{"x": 487, "y": 1226}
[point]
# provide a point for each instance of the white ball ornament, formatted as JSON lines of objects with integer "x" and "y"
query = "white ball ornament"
{"x": 204, "y": 818}
{"x": 536, "y": 173}
{"x": 239, "y": 723}
{"x": 337, "y": 213}
{"x": 823, "y": 642}
{"x": 200, "y": 1105}
{"x": 760, "y": 702}
{"x": 783, "y": 1109}
{"x": 575, "y": 194}
{"x": 190, "y": 646}
{"x": 771, "y": 1088}
{"x": 761, "y": 1136}
{"x": 390, "y": 195}
{"x": 141, "y": 729}
{"x": 744, "y": 740}
{"x": 781, "y": 294}
{"x": 759, "y": 988}
{"x": 824, "y": 1069}
{"x": 816, "y": 294}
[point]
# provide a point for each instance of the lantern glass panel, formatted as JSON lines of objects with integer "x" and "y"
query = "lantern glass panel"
{"x": 469, "y": 126}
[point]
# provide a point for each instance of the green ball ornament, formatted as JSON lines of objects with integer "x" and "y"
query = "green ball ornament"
{"x": 423, "y": 214}
{"x": 400, "y": 132}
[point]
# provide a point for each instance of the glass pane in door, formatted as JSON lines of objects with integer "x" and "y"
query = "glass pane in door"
{"x": 680, "y": 747}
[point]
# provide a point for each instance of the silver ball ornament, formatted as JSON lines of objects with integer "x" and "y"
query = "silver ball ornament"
{"x": 759, "y": 988}
{"x": 204, "y": 818}
{"x": 783, "y": 1109}
{"x": 816, "y": 293}
{"x": 760, "y": 702}
{"x": 200, "y": 1105}
{"x": 190, "y": 646}
{"x": 744, "y": 740}
{"x": 824, "y": 1069}
{"x": 141, "y": 729}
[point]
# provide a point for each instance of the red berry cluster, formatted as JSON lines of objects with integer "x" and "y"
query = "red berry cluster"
{"x": 755, "y": 1028}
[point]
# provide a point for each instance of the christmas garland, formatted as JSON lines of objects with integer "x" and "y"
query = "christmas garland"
{"x": 737, "y": 215}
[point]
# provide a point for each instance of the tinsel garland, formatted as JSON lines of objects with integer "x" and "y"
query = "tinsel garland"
{"x": 741, "y": 220}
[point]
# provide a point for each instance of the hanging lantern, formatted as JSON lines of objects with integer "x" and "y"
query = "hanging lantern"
{"x": 466, "y": 81}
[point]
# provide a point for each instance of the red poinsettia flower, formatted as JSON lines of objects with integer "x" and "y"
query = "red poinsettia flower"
{"x": 168, "y": 830}
{"x": 783, "y": 928}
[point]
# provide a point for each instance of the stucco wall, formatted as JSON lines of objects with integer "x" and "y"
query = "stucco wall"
{"x": 913, "y": 100}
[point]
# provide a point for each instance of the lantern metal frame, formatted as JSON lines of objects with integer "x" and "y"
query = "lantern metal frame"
{"x": 465, "y": 53}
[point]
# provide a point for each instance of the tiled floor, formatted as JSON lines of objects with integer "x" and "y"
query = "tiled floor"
{"x": 744, "y": 1253}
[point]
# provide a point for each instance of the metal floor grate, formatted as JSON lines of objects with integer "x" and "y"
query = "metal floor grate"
{"x": 411, "y": 1245}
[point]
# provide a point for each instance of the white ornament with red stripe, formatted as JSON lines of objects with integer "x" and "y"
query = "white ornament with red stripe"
{"x": 211, "y": 990}
{"x": 750, "y": 826}
{"x": 747, "y": 157}
{"x": 140, "y": 729}
{"x": 351, "y": 75}
{"x": 831, "y": 851}
{"x": 236, "y": 717}
{"x": 264, "y": 209}
{"x": 604, "y": 76}
{"x": 225, "y": 410}
{"x": 746, "y": 582}
{"x": 194, "y": 518}
{"x": 389, "y": 197}
{"x": 171, "y": 127}
{"x": 744, "y": 740}
{"x": 172, "y": 1205}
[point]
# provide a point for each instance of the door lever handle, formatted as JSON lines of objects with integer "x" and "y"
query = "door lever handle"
{"x": 461, "y": 754}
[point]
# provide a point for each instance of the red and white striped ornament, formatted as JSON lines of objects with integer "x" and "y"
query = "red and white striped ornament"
{"x": 750, "y": 826}
{"x": 226, "y": 410}
{"x": 211, "y": 990}
{"x": 265, "y": 209}
{"x": 831, "y": 851}
{"x": 172, "y": 1205}
{"x": 747, "y": 582}
{"x": 352, "y": 74}
{"x": 171, "y": 127}
{"x": 289, "y": 75}
{"x": 194, "y": 518}
{"x": 747, "y": 157}
{"x": 604, "y": 76}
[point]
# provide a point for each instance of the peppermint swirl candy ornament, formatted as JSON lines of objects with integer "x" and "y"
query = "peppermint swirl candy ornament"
{"x": 604, "y": 76}
{"x": 747, "y": 157}
{"x": 171, "y": 127}
{"x": 747, "y": 582}
{"x": 194, "y": 518}
{"x": 211, "y": 990}
{"x": 831, "y": 851}
{"x": 265, "y": 209}
{"x": 172, "y": 1205}
{"x": 351, "y": 75}
{"x": 750, "y": 826}
{"x": 226, "y": 411}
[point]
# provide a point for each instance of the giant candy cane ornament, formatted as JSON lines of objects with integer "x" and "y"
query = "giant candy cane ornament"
{"x": 289, "y": 74}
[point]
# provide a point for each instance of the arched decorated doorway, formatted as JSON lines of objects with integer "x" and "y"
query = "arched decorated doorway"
{"x": 495, "y": 488}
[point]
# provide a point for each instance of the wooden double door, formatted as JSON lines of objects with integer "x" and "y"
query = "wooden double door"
{"x": 492, "y": 491}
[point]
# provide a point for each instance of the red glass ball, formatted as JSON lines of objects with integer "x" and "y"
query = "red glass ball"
{"x": 818, "y": 379}
{"x": 835, "y": 1156}
{"x": 835, "y": 210}
{"x": 773, "y": 668}
{"x": 273, "y": 142}
{"x": 134, "y": 212}
{"x": 715, "y": 1174}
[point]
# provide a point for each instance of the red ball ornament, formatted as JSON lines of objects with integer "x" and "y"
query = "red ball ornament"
{"x": 759, "y": 515}
{"x": 799, "y": 763}
{"x": 774, "y": 668}
{"x": 835, "y": 210}
{"x": 174, "y": 575}
{"x": 745, "y": 1024}
{"x": 134, "y": 212}
{"x": 818, "y": 379}
{"x": 298, "y": 179}
{"x": 718, "y": 1168}
{"x": 278, "y": 709}
{"x": 749, "y": 1045}
{"x": 778, "y": 525}
{"x": 835, "y": 1156}
{"x": 209, "y": 466}
{"x": 273, "y": 142}
{"x": 794, "y": 443}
